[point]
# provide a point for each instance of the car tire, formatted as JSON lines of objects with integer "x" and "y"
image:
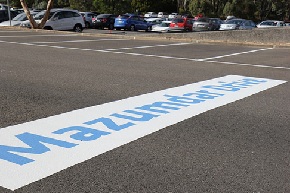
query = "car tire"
{"x": 111, "y": 26}
{"x": 149, "y": 28}
{"x": 132, "y": 28}
{"x": 48, "y": 28}
{"x": 78, "y": 28}
{"x": 87, "y": 25}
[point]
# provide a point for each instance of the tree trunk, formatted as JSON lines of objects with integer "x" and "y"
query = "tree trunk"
{"x": 45, "y": 17}
{"x": 29, "y": 16}
{"x": 34, "y": 25}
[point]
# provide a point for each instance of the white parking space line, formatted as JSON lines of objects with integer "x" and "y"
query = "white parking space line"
{"x": 77, "y": 41}
{"x": 235, "y": 54}
{"x": 50, "y": 35}
{"x": 208, "y": 60}
{"x": 251, "y": 65}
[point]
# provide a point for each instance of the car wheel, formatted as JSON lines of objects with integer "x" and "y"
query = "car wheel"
{"x": 132, "y": 28}
{"x": 47, "y": 28}
{"x": 149, "y": 28}
{"x": 111, "y": 26}
{"x": 78, "y": 28}
{"x": 87, "y": 25}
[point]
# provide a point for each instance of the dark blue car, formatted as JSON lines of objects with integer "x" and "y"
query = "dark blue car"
{"x": 131, "y": 22}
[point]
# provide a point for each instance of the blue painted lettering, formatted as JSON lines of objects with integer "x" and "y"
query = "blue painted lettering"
{"x": 36, "y": 147}
{"x": 83, "y": 134}
{"x": 109, "y": 123}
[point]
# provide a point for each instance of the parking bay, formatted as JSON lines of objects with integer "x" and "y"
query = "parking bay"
{"x": 43, "y": 77}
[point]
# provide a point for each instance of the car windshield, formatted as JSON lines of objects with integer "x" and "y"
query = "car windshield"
{"x": 40, "y": 15}
{"x": 202, "y": 19}
{"x": 164, "y": 24}
{"x": 103, "y": 16}
{"x": 177, "y": 20}
{"x": 124, "y": 16}
{"x": 234, "y": 21}
{"x": 20, "y": 17}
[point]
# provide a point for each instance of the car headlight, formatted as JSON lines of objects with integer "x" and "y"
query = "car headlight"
{"x": 25, "y": 25}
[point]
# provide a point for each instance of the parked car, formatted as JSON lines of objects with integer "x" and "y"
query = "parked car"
{"x": 201, "y": 24}
{"x": 3, "y": 7}
{"x": 131, "y": 22}
{"x": 88, "y": 16}
{"x": 163, "y": 15}
{"x": 247, "y": 24}
{"x": 182, "y": 24}
{"x": 235, "y": 24}
{"x": 4, "y": 15}
{"x": 173, "y": 15}
{"x": 154, "y": 21}
{"x": 215, "y": 23}
{"x": 150, "y": 14}
{"x": 271, "y": 23}
{"x": 104, "y": 21}
{"x": 16, "y": 21}
{"x": 162, "y": 27}
{"x": 60, "y": 19}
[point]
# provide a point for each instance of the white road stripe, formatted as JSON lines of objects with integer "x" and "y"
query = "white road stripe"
{"x": 77, "y": 41}
{"x": 51, "y": 35}
{"x": 250, "y": 65}
{"x": 209, "y": 60}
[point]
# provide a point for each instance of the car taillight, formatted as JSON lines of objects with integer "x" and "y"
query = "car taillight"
{"x": 93, "y": 19}
{"x": 104, "y": 20}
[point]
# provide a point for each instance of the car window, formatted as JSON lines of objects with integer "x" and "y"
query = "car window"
{"x": 68, "y": 14}
{"x": 202, "y": 19}
{"x": 234, "y": 21}
{"x": 135, "y": 18}
{"x": 124, "y": 16}
{"x": 40, "y": 15}
{"x": 59, "y": 15}
{"x": 75, "y": 14}
{"x": 19, "y": 17}
{"x": 177, "y": 20}
{"x": 103, "y": 16}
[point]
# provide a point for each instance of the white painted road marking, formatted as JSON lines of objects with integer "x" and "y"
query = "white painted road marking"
{"x": 208, "y": 60}
{"x": 37, "y": 149}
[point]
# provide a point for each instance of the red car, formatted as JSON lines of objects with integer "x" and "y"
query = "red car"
{"x": 182, "y": 24}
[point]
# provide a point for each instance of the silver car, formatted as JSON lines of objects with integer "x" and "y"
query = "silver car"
{"x": 201, "y": 24}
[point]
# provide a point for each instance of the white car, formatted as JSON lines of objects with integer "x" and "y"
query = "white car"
{"x": 150, "y": 14}
{"x": 173, "y": 15}
{"x": 163, "y": 15}
{"x": 154, "y": 21}
{"x": 271, "y": 23}
{"x": 16, "y": 21}
{"x": 162, "y": 27}
{"x": 60, "y": 19}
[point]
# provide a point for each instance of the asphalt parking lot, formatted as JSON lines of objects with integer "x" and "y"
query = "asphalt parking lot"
{"x": 235, "y": 142}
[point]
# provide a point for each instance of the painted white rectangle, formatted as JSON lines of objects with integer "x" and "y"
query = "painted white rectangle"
{"x": 95, "y": 130}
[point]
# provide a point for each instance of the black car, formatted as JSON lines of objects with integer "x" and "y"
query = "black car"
{"x": 215, "y": 23}
{"x": 4, "y": 15}
{"x": 104, "y": 21}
